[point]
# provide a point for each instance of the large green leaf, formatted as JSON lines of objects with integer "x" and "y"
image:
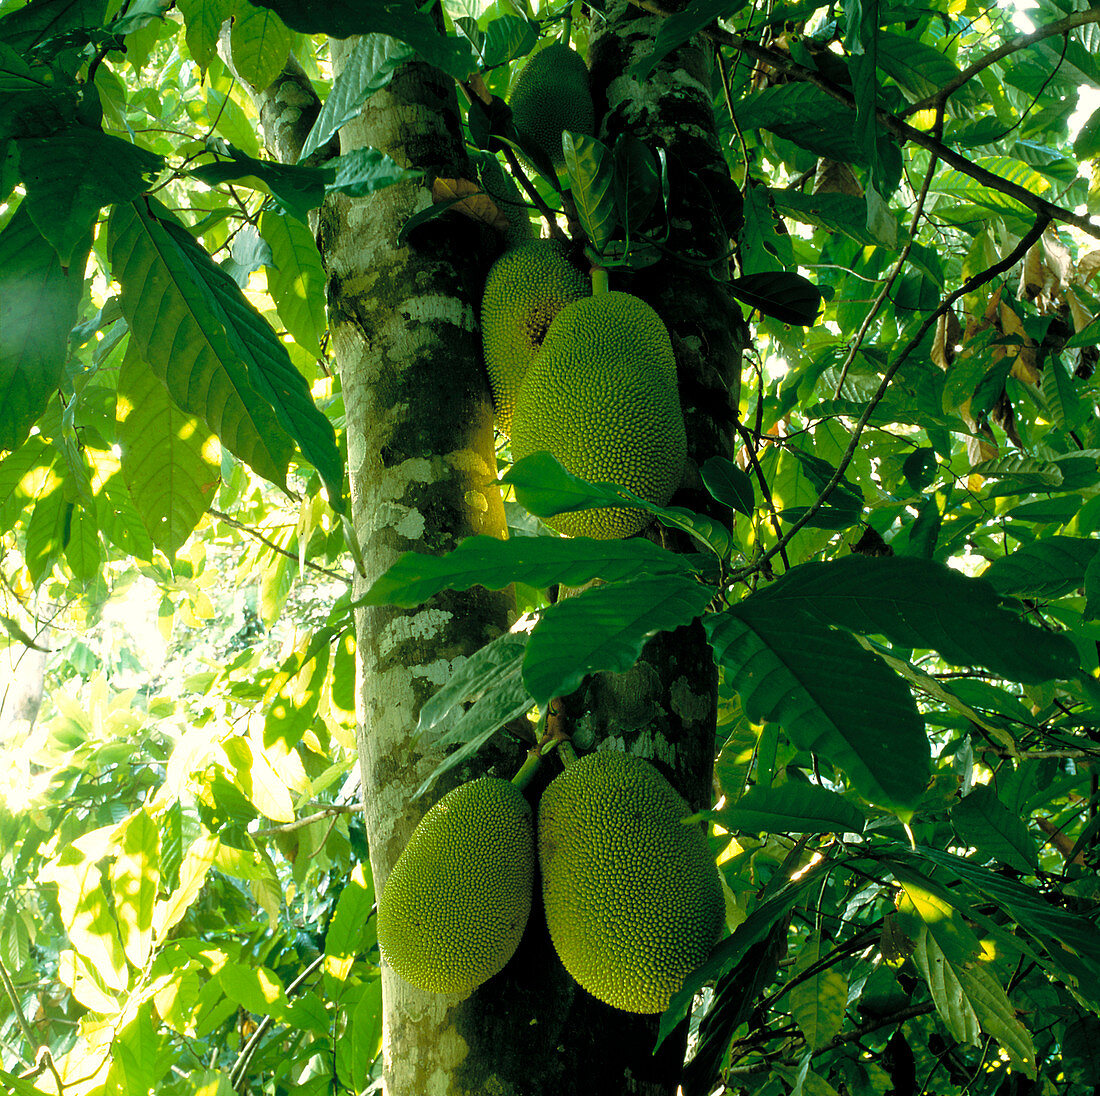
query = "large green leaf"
{"x": 217, "y": 356}
{"x": 983, "y": 821}
{"x": 791, "y": 808}
{"x": 829, "y": 694}
{"x": 169, "y": 459}
{"x": 204, "y": 19}
{"x": 1048, "y": 568}
{"x": 679, "y": 27}
{"x": 605, "y": 628}
{"x": 38, "y": 308}
{"x": 537, "y": 561}
{"x": 818, "y": 997}
{"x": 71, "y": 174}
{"x": 369, "y": 67}
{"x": 295, "y": 278}
{"x": 545, "y": 488}
{"x": 42, "y": 20}
{"x": 259, "y": 42}
{"x": 919, "y": 603}
{"x": 592, "y": 176}
{"x": 967, "y": 995}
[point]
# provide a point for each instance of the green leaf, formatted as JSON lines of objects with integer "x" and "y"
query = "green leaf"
{"x": 479, "y": 675}
{"x": 637, "y": 179}
{"x": 71, "y": 174}
{"x": 983, "y": 821}
{"x": 344, "y": 939}
{"x": 368, "y": 68}
{"x": 829, "y": 695}
{"x": 401, "y": 19}
{"x": 919, "y": 69}
{"x": 39, "y": 22}
{"x": 604, "y": 629}
{"x": 537, "y": 561}
{"x": 592, "y": 176}
{"x": 259, "y": 42}
{"x": 819, "y": 999}
{"x": 1066, "y": 407}
{"x": 363, "y": 171}
{"x": 545, "y": 488}
{"x": 297, "y": 188}
{"x": 919, "y": 603}
{"x": 1048, "y": 568}
{"x": 217, "y": 356}
{"x": 296, "y": 279}
{"x": 840, "y": 212}
{"x": 204, "y": 19}
{"x": 135, "y": 877}
{"x": 1018, "y": 475}
{"x": 807, "y": 116}
{"x": 967, "y": 995}
{"x": 38, "y": 308}
{"x": 728, "y": 484}
{"x": 169, "y": 459}
{"x": 786, "y": 296}
{"x": 790, "y": 808}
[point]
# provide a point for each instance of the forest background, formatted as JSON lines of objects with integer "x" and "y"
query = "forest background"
{"x": 241, "y": 253}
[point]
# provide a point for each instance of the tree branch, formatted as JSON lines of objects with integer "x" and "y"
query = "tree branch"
{"x": 309, "y": 819}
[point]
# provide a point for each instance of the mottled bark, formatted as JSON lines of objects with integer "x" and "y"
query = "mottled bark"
{"x": 422, "y": 467}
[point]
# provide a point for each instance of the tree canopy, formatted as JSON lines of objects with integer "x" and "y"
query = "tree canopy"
{"x": 897, "y": 573}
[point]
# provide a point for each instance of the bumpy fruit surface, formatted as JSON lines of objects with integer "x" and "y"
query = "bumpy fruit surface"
{"x": 632, "y": 896}
{"x": 601, "y": 396}
{"x": 455, "y": 905}
{"x": 551, "y": 95}
{"x": 524, "y": 290}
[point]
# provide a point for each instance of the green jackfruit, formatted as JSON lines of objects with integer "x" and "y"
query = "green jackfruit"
{"x": 455, "y": 905}
{"x": 632, "y": 895}
{"x": 601, "y": 396}
{"x": 525, "y": 289}
{"x": 550, "y": 95}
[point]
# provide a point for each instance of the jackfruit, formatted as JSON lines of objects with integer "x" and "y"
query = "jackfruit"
{"x": 524, "y": 290}
{"x": 455, "y": 905}
{"x": 601, "y": 396}
{"x": 632, "y": 895}
{"x": 551, "y": 95}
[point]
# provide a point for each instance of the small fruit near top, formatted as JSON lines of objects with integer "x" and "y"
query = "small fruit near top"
{"x": 551, "y": 95}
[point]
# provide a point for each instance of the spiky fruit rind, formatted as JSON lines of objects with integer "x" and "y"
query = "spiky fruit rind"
{"x": 455, "y": 905}
{"x": 632, "y": 896}
{"x": 551, "y": 94}
{"x": 524, "y": 290}
{"x": 601, "y": 396}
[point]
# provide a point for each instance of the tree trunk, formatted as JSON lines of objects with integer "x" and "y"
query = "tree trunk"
{"x": 422, "y": 472}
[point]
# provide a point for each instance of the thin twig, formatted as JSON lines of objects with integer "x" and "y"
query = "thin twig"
{"x": 1005, "y": 264}
{"x": 747, "y": 441}
{"x": 232, "y": 522}
{"x": 237, "y": 1072}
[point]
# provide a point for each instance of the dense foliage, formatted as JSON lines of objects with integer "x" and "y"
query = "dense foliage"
{"x": 906, "y": 788}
